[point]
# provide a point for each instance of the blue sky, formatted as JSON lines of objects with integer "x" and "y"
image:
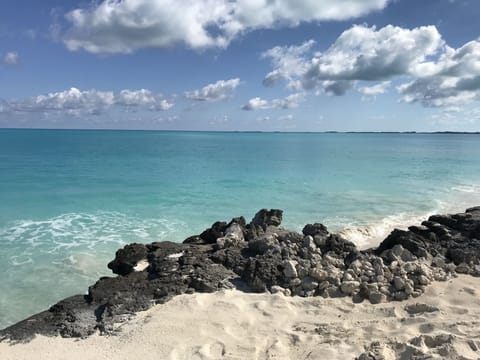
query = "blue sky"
{"x": 281, "y": 65}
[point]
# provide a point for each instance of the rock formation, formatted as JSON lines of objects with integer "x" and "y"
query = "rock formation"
{"x": 262, "y": 256}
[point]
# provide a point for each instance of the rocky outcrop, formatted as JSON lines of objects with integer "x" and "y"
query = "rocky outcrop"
{"x": 263, "y": 256}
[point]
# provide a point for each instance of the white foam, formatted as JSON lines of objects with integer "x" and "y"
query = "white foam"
{"x": 459, "y": 198}
{"x": 371, "y": 235}
{"x": 20, "y": 260}
{"x": 175, "y": 256}
{"x": 86, "y": 231}
{"x": 467, "y": 188}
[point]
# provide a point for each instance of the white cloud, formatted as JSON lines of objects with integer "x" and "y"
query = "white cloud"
{"x": 76, "y": 102}
{"x": 438, "y": 75}
{"x": 114, "y": 26}
{"x": 256, "y": 103}
{"x": 365, "y": 53}
{"x": 289, "y": 63}
{"x": 360, "y": 53}
{"x": 289, "y": 102}
{"x": 143, "y": 98}
{"x": 377, "y": 89}
{"x": 11, "y": 58}
{"x": 220, "y": 90}
{"x": 452, "y": 80}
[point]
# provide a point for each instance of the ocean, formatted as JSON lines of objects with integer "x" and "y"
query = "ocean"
{"x": 70, "y": 199}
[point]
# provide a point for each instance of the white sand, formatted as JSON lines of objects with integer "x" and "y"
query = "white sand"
{"x": 234, "y": 325}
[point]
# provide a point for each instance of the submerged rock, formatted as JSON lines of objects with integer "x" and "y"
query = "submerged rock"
{"x": 263, "y": 256}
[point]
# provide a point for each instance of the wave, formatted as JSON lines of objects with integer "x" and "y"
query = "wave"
{"x": 70, "y": 239}
{"x": 366, "y": 236}
{"x": 455, "y": 199}
{"x": 470, "y": 189}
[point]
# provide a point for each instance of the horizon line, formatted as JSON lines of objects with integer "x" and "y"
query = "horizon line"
{"x": 412, "y": 132}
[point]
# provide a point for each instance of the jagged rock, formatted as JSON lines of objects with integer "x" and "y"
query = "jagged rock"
{"x": 126, "y": 258}
{"x": 377, "y": 298}
{"x": 280, "y": 290}
{"x": 319, "y": 274}
{"x": 314, "y": 230}
{"x": 266, "y": 257}
{"x": 350, "y": 287}
{"x": 289, "y": 269}
{"x": 309, "y": 284}
{"x": 263, "y": 243}
{"x": 265, "y": 218}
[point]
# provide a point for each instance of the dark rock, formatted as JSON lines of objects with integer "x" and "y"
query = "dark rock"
{"x": 315, "y": 229}
{"x": 217, "y": 230}
{"x": 263, "y": 272}
{"x": 409, "y": 240}
{"x": 338, "y": 245}
{"x": 262, "y": 256}
{"x": 127, "y": 258}
{"x": 263, "y": 244}
{"x": 265, "y": 218}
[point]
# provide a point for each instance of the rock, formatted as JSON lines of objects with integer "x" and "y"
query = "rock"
{"x": 419, "y": 308}
{"x": 309, "y": 283}
{"x": 211, "y": 235}
{"x": 309, "y": 243}
{"x": 289, "y": 269}
{"x": 398, "y": 283}
{"x": 350, "y": 287}
{"x": 338, "y": 245}
{"x": 407, "y": 240}
{"x": 377, "y": 298}
{"x": 462, "y": 268}
{"x": 127, "y": 258}
{"x": 315, "y": 229}
{"x": 265, "y": 218}
{"x": 262, "y": 256}
{"x": 262, "y": 244}
{"x": 235, "y": 231}
{"x": 319, "y": 274}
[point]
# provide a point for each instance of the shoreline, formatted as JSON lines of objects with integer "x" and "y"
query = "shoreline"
{"x": 362, "y": 237}
{"x": 230, "y": 324}
{"x": 262, "y": 256}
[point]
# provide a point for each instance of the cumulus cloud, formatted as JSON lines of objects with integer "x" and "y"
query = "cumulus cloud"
{"x": 142, "y": 98}
{"x": 220, "y": 90}
{"x": 438, "y": 74}
{"x": 452, "y": 80}
{"x": 11, "y": 58}
{"x": 365, "y": 53}
{"x": 291, "y": 101}
{"x": 289, "y": 64}
{"x": 360, "y": 53}
{"x": 122, "y": 26}
{"x": 76, "y": 102}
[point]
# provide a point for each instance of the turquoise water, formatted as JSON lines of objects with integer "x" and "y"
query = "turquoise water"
{"x": 69, "y": 199}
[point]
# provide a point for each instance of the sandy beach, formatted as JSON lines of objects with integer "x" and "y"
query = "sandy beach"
{"x": 442, "y": 323}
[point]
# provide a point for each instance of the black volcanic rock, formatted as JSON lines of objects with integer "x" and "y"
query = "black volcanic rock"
{"x": 127, "y": 258}
{"x": 315, "y": 229}
{"x": 408, "y": 239}
{"x": 265, "y": 218}
{"x": 263, "y": 256}
{"x": 454, "y": 237}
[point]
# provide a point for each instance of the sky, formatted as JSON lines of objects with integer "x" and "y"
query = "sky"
{"x": 241, "y": 65}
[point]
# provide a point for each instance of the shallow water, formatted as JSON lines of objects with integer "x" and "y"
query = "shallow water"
{"x": 70, "y": 199}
